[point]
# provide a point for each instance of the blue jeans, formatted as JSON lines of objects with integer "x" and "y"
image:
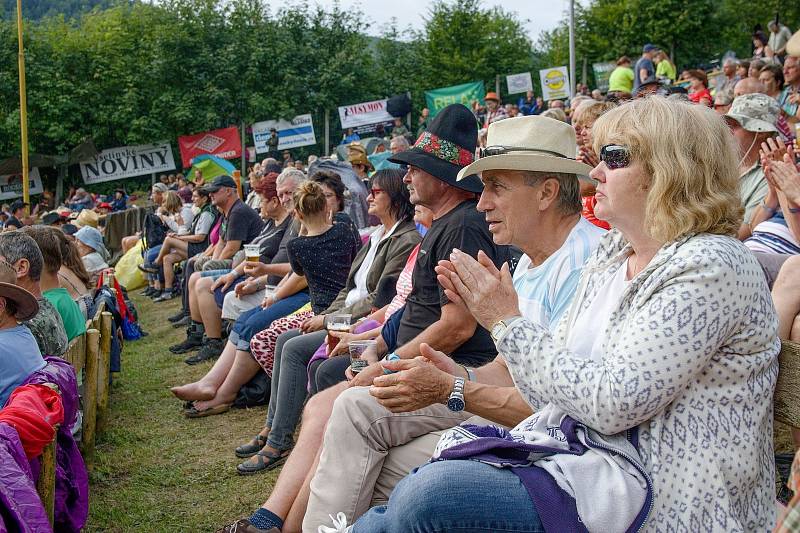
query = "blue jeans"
{"x": 149, "y": 257}
{"x": 256, "y": 319}
{"x": 462, "y": 496}
{"x": 289, "y": 386}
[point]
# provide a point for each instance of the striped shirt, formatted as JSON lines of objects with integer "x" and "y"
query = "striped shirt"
{"x": 545, "y": 291}
{"x": 773, "y": 236}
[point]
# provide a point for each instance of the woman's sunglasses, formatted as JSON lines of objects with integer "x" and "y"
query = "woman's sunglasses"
{"x": 615, "y": 156}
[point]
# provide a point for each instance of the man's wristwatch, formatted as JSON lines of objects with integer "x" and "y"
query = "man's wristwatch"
{"x": 456, "y": 400}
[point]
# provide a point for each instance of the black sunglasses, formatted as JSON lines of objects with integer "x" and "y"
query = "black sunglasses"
{"x": 501, "y": 150}
{"x": 615, "y": 156}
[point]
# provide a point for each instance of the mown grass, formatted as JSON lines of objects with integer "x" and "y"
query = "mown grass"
{"x": 155, "y": 469}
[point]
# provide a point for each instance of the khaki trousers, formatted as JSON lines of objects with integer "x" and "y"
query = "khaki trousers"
{"x": 367, "y": 450}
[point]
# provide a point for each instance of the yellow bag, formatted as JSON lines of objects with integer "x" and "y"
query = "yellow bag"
{"x": 126, "y": 271}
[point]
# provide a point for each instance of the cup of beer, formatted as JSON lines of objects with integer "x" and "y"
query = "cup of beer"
{"x": 252, "y": 252}
{"x": 336, "y": 322}
{"x": 358, "y": 352}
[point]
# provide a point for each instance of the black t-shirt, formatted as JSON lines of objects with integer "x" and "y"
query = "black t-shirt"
{"x": 325, "y": 262}
{"x": 242, "y": 223}
{"x": 464, "y": 228}
{"x": 13, "y": 222}
{"x": 282, "y": 255}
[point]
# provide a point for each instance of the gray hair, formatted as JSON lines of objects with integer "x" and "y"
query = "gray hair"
{"x": 569, "y": 190}
{"x": 402, "y": 141}
{"x": 296, "y": 176}
{"x": 15, "y": 245}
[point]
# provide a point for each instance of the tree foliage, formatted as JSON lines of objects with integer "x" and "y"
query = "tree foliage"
{"x": 695, "y": 32}
{"x": 147, "y": 72}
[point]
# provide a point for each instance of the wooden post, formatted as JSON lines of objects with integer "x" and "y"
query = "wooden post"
{"x": 326, "y": 150}
{"x": 23, "y": 112}
{"x": 103, "y": 370}
{"x": 62, "y": 173}
{"x": 46, "y": 485}
{"x": 497, "y": 85}
{"x": 90, "y": 396}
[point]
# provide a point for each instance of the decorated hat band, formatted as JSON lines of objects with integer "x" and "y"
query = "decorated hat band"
{"x": 444, "y": 149}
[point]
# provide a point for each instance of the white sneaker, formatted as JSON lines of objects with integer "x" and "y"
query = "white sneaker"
{"x": 339, "y": 525}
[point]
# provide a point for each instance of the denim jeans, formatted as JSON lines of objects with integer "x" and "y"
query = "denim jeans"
{"x": 256, "y": 319}
{"x": 289, "y": 386}
{"x": 462, "y": 496}
{"x": 149, "y": 257}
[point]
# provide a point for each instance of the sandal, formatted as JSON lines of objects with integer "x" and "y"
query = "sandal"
{"x": 251, "y": 448}
{"x": 265, "y": 461}
{"x": 193, "y": 412}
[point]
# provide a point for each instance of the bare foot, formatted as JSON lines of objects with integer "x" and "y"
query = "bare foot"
{"x": 194, "y": 391}
{"x": 216, "y": 401}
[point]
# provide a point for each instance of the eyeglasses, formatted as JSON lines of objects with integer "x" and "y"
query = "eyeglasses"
{"x": 501, "y": 150}
{"x": 615, "y": 156}
{"x": 374, "y": 192}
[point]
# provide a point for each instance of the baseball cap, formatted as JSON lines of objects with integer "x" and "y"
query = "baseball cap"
{"x": 18, "y": 204}
{"x": 220, "y": 182}
{"x": 649, "y": 48}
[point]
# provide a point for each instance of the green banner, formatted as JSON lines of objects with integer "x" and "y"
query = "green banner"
{"x": 438, "y": 99}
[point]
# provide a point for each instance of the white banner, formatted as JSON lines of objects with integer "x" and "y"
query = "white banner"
{"x": 356, "y": 115}
{"x": 555, "y": 83}
{"x": 298, "y": 132}
{"x": 11, "y": 184}
{"x": 519, "y": 83}
{"x": 127, "y": 161}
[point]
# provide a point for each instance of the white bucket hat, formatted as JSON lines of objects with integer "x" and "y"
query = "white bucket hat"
{"x": 533, "y": 143}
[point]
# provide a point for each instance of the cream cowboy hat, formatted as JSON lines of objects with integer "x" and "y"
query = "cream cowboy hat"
{"x": 534, "y": 143}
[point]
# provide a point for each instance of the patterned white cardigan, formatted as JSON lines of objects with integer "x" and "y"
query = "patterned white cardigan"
{"x": 690, "y": 358}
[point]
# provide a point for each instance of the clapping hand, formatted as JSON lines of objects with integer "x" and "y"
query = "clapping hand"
{"x": 487, "y": 292}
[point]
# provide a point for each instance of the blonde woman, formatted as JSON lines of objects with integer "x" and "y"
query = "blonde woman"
{"x": 667, "y": 355}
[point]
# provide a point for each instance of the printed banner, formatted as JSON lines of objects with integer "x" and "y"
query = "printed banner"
{"x": 365, "y": 113}
{"x": 602, "y": 71}
{"x": 127, "y": 162}
{"x": 291, "y": 134}
{"x": 555, "y": 83}
{"x": 519, "y": 83}
{"x": 466, "y": 93}
{"x": 224, "y": 143}
{"x": 11, "y": 184}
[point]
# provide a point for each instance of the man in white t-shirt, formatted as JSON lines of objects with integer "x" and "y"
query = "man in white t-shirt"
{"x": 531, "y": 200}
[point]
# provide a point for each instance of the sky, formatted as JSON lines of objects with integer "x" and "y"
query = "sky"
{"x": 542, "y": 15}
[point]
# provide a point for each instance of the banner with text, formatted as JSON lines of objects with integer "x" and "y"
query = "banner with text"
{"x": 466, "y": 93}
{"x": 602, "y": 71}
{"x": 127, "y": 162}
{"x": 555, "y": 83}
{"x": 365, "y": 113}
{"x": 224, "y": 143}
{"x": 519, "y": 83}
{"x": 11, "y": 184}
{"x": 291, "y": 134}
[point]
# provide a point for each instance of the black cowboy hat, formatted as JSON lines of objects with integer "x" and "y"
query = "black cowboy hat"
{"x": 445, "y": 147}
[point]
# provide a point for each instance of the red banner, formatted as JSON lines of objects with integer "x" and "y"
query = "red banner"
{"x": 224, "y": 143}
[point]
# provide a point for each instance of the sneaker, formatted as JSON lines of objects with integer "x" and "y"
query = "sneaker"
{"x": 182, "y": 323}
{"x": 211, "y": 349}
{"x": 149, "y": 268}
{"x": 156, "y": 294}
{"x": 244, "y": 526}
{"x": 339, "y": 525}
{"x": 165, "y": 296}
{"x": 193, "y": 341}
{"x": 148, "y": 291}
{"x": 180, "y": 315}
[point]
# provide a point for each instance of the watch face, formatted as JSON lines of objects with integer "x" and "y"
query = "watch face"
{"x": 455, "y": 404}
